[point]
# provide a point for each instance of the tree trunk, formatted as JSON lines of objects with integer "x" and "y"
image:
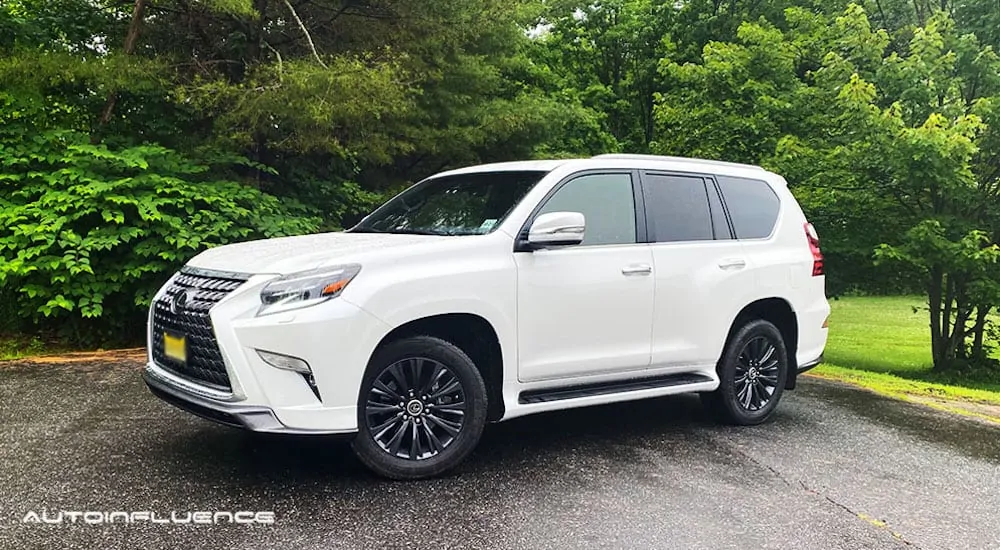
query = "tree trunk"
{"x": 957, "y": 341}
{"x": 255, "y": 42}
{"x": 255, "y": 39}
{"x": 977, "y": 332}
{"x": 934, "y": 302}
{"x": 131, "y": 38}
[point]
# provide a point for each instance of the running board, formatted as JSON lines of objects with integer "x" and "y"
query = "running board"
{"x": 606, "y": 388}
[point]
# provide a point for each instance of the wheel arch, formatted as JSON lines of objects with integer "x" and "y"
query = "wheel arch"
{"x": 780, "y": 313}
{"x": 475, "y": 335}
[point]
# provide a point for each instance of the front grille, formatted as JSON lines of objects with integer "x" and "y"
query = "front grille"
{"x": 187, "y": 316}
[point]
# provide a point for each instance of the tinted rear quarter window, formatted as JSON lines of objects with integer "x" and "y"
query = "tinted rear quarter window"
{"x": 677, "y": 207}
{"x": 753, "y": 206}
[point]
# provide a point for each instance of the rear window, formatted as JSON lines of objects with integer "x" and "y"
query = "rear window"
{"x": 753, "y": 206}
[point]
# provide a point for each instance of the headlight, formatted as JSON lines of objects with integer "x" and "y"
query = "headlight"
{"x": 306, "y": 288}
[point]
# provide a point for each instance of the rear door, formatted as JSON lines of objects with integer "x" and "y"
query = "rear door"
{"x": 702, "y": 273}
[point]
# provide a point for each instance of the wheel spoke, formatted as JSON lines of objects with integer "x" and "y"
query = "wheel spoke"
{"x": 381, "y": 389}
{"x": 771, "y": 366}
{"x": 743, "y": 387}
{"x": 741, "y": 365}
{"x": 414, "y": 372}
{"x": 771, "y": 381}
{"x": 758, "y": 397}
{"x": 381, "y": 429}
{"x": 762, "y": 395}
{"x": 452, "y": 408}
{"x": 437, "y": 373}
{"x": 414, "y": 441}
{"x": 397, "y": 438}
{"x": 448, "y": 426}
{"x": 747, "y": 396}
{"x": 380, "y": 408}
{"x": 400, "y": 377}
{"x": 449, "y": 388}
{"x": 432, "y": 440}
{"x": 768, "y": 352}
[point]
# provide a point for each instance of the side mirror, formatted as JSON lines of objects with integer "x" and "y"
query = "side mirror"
{"x": 557, "y": 229}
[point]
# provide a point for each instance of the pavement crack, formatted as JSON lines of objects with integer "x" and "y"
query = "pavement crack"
{"x": 879, "y": 524}
{"x": 860, "y": 515}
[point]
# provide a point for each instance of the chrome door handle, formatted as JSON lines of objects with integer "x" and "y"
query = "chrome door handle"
{"x": 639, "y": 269}
{"x": 733, "y": 263}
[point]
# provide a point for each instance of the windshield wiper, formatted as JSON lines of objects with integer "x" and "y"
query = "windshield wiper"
{"x": 402, "y": 231}
{"x": 419, "y": 232}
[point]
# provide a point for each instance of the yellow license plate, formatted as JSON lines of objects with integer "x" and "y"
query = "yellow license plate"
{"x": 175, "y": 347}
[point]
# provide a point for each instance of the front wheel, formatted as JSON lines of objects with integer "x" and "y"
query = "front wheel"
{"x": 752, "y": 375}
{"x": 421, "y": 410}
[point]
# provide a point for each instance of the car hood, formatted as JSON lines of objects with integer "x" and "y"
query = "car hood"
{"x": 285, "y": 255}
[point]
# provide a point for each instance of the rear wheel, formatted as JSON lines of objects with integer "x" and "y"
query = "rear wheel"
{"x": 422, "y": 409}
{"x": 752, "y": 375}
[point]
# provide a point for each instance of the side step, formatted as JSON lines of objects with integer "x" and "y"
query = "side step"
{"x": 605, "y": 388}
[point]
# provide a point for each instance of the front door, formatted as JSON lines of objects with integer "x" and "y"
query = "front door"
{"x": 587, "y": 309}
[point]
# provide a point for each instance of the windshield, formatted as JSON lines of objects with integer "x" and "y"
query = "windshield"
{"x": 465, "y": 204}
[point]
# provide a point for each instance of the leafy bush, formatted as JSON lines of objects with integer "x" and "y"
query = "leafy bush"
{"x": 86, "y": 231}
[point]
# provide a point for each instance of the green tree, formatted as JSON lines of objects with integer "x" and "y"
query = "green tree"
{"x": 86, "y": 229}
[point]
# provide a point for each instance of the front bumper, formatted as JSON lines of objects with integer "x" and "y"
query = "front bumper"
{"x": 335, "y": 338}
{"x": 254, "y": 418}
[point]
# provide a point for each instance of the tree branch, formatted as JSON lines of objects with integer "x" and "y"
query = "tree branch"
{"x": 306, "y": 32}
{"x": 278, "y": 55}
{"x": 131, "y": 37}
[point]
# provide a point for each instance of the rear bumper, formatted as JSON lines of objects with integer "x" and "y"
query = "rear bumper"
{"x": 810, "y": 364}
{"x": 253, "y": 418}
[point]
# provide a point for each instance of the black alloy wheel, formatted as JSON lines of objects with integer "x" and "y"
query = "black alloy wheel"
{"x": 756, "y": 373}
{"x": 416, "y": 408}
{"x": 752, "y": 374}
{"x": 421, "y": 409}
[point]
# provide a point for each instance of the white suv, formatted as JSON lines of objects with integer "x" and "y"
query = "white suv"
{"x": 491, "y": 292}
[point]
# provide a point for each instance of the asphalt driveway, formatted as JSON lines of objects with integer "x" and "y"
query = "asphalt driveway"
{"x": 836, "y": 468}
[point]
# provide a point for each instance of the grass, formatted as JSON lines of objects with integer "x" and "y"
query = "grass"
{"x": 882, "y": 344}
{"x": 17, "y": 347}
{"x": 891, "y": 384}
{"x": 879, "y": 334}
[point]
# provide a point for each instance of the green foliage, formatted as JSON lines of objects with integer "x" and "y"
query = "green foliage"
{"x": 883, "y": 116}
{"x": 232, "y": 7}
{"x": 85, "y": 229}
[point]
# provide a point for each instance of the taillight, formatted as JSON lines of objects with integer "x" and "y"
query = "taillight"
{"x": 813, "y": 239}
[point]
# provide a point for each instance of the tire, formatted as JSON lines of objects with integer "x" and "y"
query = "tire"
{"x": 755, "y": 357}
{"x": 448, "y": 416}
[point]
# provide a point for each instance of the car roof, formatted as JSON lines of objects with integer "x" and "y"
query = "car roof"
{"x": 515, "y": 166}
{"x": 626, "y": 161}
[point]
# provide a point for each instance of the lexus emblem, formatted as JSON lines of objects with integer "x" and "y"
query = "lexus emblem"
{"x": 178, "y": 302}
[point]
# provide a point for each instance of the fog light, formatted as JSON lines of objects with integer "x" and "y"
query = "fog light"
{"x": 285, "y": 362}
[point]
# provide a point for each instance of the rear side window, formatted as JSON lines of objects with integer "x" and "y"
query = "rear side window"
{"x": 677, "y": 208}
{"x": 753, "y": 206}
